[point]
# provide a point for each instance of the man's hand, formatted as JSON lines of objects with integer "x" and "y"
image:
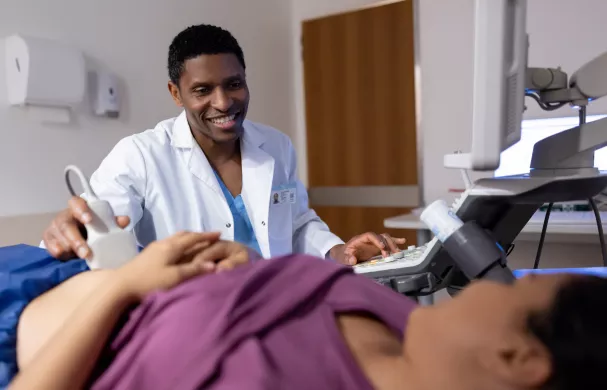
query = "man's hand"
{"x": 365, "y": 246}
{"x": 63, "y": 238}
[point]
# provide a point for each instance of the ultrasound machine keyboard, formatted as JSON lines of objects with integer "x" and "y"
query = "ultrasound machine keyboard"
{"x": 405, "y": 272}
{"x": 407, "y": 258}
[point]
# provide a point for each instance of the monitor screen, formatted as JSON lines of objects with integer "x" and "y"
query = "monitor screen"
{"x": 498, "y": 98}
{"x": 516, "y": 159}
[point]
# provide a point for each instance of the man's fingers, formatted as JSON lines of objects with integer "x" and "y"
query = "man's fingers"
{"x": 68, "y": 233}
{"x": 378, "y": 241}
{"x": 368, "y": 238}
{"x": 391, "y": 244}
{"x": 123, "y": 221}
{"x": 57, "y": 234}
{"x": 358, "y": 240}
{"x": 349, "y": 254}
{"x": 400, "y": 241}
{"x": 79, "y": 209}
{"x": 356, "y": 244}
{"x": 351, "y": 260}
{"x": 52, "y": 246}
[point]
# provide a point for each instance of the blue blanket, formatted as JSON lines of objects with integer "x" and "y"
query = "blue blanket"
{"x": 596, "y": 271}
{"x": 26, "y": 272}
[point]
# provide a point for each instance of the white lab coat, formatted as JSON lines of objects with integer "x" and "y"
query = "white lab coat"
{"x": 163, "y": 181}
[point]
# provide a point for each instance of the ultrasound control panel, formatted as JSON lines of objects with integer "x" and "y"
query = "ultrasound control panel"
{"x": 404, "y": 271}
{"x": 404, "y": 259}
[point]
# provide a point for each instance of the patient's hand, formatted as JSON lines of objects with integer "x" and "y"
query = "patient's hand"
{"x": 166, "y": 263}
{"x": 228, "y": 255}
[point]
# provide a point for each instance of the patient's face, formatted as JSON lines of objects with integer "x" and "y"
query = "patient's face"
{"x": 486, "y": 323}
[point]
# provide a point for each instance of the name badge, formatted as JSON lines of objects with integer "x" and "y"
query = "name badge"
{"x": 285, "y": 194}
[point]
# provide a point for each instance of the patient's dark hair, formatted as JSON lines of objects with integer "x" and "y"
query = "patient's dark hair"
{"x": 574, "y": 329}
{"x": 198, "y": 40}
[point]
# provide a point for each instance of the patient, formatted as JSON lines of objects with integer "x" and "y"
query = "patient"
{"x": 303, "y": 323}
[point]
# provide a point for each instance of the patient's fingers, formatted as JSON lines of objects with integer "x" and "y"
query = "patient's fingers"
{"x": 191, "y": 253}
{"x": 182, "y": 243}
{"x": 189, "y": 270}
{"x": 216, "y": 252}
{"x": 226, "y": 254}
{"x": 232, "y": 261}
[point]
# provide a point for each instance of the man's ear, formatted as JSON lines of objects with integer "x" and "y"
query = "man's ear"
{"x": 523, "y": 362}
{"x": 175, "y": 94}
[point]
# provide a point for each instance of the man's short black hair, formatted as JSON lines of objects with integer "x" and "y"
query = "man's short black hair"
{"x": 574, "y": 329}
{"x": 198, "y": 40}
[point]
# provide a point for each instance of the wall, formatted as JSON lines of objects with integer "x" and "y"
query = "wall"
{"x": 131, "y": 39}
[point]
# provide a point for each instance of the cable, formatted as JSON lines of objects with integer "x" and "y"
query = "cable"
{"x": 510, "y": 249}
{"x": 542, "y": 237}
{"x": 88, "y": 190}
{"x": 544, "y": 106}
{"x": 599, "y": 225}
{"x": 595, "y": 207}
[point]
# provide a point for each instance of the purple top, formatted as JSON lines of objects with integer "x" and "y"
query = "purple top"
{"x": 268, "y": 325}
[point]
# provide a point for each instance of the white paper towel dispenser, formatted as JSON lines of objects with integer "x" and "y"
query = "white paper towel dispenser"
{"x": 42, "y": 72}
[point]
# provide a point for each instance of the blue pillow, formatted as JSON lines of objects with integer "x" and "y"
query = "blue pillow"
{"x": 26, "y": 272}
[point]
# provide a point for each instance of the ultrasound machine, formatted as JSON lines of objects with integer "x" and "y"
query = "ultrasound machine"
{"x": 473, "y": 236}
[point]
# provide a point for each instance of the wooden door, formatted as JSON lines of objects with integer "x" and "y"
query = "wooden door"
{"x": 360, "y": 118}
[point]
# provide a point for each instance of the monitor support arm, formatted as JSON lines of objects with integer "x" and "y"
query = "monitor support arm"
{"x": 570, "y": 152}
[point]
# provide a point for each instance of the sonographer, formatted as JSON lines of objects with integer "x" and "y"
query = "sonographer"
{"x": 210, "y": 169}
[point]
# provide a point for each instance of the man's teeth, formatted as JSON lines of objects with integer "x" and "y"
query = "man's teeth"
{"x": 223, "y": 119}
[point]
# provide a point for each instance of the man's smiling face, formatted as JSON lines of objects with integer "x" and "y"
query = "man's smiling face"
{"x": 213, "y": 91}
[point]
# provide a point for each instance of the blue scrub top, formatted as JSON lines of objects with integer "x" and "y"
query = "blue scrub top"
{"x": 243, "y": 229}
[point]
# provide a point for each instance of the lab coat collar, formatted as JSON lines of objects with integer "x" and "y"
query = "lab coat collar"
{"x": 257, "y": 167}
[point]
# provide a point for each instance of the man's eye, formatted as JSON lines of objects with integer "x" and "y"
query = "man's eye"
{"x": 201, "y": 91}
{"x": 236, "y": 84}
